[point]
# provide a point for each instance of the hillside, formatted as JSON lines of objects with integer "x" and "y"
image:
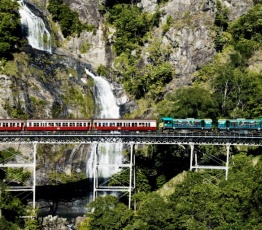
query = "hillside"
{"x": 178, "y": 58}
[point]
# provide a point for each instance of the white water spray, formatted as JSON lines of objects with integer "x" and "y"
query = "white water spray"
{"x": 34, "y": 27}
{"x": 106, "y": 108}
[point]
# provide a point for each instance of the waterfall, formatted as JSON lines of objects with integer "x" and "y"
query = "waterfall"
{"x": 34, "y": 29}
{"x": 106, "y": 107}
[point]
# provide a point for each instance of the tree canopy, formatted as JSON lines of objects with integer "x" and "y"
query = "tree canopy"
{"x": 10, "y": 31}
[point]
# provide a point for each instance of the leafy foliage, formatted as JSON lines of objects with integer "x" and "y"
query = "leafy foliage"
{"x": 130, "y": 30}
{"x": 150, "y": 80}
{"x": 197, "y": 202}
{"x": 108, "y": 213}
{"x": 12, "y": 207}
{"x": 10, "y": 33}
{"x": 189, "y": 102}
{"x": 68, "y": 19}
{"x": 221, "y": 25}
{"x": 247, "y": 31}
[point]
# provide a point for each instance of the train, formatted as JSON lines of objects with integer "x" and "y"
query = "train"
{"x": 106, "y": 125}
{"x": 221, "y": 125}
{"x": 166, "y": 124}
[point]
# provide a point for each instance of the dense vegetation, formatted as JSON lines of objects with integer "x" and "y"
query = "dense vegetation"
{"x": 226, "y": 81}
{"x": 10, "y": 32}
{"x": 67, "y": 19}
{"x": 131, "y": 33}
{"x": 12, "y": 207}
{"x": 203, "y": 200}
{"x": 232, "y": 89}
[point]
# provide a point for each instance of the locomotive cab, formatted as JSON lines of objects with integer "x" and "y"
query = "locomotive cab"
{"x": 166, "y": 123}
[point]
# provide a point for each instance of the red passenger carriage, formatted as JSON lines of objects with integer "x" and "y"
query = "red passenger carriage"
{"x": 125, "y": 124}
{"x": 58, "y": 125}
{"x": 12, "y": 124}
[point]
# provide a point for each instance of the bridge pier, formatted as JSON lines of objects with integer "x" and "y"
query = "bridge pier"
{"x": 196, "y": 166}
{"x": 102, "y": 188}
{"x": 31, "y": 164}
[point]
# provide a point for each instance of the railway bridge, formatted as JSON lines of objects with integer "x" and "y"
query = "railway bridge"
{"x": 191, "y": 139}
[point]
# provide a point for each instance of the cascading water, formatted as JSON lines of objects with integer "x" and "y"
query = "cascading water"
{"x": 34, "y": 29}
{"x": 106, "y": 108}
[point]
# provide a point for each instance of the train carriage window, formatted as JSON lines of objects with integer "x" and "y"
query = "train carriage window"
{"x": 134, "y": 124}
{"x": 84, "y": 124}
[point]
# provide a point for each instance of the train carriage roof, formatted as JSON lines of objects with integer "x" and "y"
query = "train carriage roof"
{"x": 12, "y": 120}
{"x": 122, "y": 120}
{"x": 58, "y": 120}
{"x": 167, "y": 118}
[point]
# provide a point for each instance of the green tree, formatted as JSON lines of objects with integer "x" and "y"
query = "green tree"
{"x": 108, "y": 213}
{"x": 10, "y": 32}
{"x": 153, "y": 213}
{"x": 68, "y": 19}
{"x": 6, "y": 225}
{"x": 193, "y": 102}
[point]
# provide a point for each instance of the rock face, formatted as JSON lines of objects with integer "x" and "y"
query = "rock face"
{"x": 190, "y": 36}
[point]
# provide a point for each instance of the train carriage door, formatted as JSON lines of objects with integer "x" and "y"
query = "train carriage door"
{"x": 22, "y": 125}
